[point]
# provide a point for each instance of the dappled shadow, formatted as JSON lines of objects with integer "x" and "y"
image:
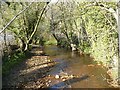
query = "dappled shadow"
{"x": 41, "y": 64}
{"x": 40, "y": 72}
{"x": 29, "y": 79}
{"x": 29, "y": 73}
{"x": 66, "y": 83}
{"x": 34, "y": 78}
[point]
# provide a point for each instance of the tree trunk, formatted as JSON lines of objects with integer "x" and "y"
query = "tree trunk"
{"x": 36, "y": 26}
{"x": 58, "y": 40}
{"x": 26, "y": 47}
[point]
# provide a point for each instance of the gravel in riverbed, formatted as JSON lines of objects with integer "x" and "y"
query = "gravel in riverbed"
{"x": 30, "y": 73}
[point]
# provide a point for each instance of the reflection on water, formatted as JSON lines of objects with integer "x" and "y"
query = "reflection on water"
{"x": 86, "y": 73}
{"x": 67, "y": 83}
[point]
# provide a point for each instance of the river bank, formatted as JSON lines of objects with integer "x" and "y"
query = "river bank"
{"x": 61, "y": 69}
{"x": 28, "y": 73}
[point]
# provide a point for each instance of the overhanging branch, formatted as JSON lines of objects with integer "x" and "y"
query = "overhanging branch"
{"x": 4, "y": 28}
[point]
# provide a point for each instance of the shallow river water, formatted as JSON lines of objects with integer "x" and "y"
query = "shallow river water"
{"x": 75, "y": 71}
{"x": 69, "y": 70}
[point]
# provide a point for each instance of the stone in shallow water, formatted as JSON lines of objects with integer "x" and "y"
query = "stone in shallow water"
{"x": 57, "y": 76}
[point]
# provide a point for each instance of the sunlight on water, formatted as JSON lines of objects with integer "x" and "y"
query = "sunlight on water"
{"x": 85, "y": 74}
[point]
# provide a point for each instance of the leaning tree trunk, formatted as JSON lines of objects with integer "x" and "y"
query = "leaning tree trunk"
{"x": 35, "y": 29}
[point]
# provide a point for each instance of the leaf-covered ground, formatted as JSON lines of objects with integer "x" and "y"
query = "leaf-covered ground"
{"x": 30, "y": 73}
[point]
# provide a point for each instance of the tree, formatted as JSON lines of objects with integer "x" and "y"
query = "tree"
{"x": 26, "y": 26}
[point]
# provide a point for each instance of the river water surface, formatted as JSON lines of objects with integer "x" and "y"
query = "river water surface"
{"x": 81, "y": 69}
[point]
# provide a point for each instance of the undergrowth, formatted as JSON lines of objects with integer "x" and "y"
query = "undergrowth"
{"x": 9, "y": 62}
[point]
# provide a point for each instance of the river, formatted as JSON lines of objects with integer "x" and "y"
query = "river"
{"x": 57, "y": 68}
{"x": 83, "y": 70}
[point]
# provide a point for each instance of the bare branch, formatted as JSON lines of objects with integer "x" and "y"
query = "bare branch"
{"x": 14, "y": 18}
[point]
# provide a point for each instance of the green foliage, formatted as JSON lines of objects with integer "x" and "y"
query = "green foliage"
{"x": 12, "y": 61}
{"x": 51, "y": 42}
{"x": 24, "y": 25}
{"x": 92, "y": 28}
